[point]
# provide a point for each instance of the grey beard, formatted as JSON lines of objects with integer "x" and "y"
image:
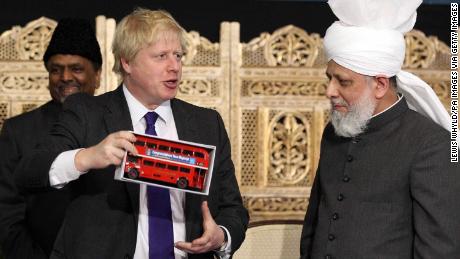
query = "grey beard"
{"x": 355, "y": 121}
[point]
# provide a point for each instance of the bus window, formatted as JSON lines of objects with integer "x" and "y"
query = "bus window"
{"x": 199, "y": 154}
{"x": 172, "y": 167}
{"x": 164, "y": 148}
{"x": 132, "y": 159}
{"x": 148, "y": 163}
{"x": 175, "y": 150}
{"x": 200, "y": 171}
{"x": 187, "y": 152}
{"x": 160, "y": 165}
{"x": 184, "y": 170}
{"x": 139, "y": 143}
{"x": 151, "y": 145}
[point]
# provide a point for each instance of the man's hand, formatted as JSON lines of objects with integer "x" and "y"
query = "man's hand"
{"x": 109, "y": 151}
{"x": 212, "y": 239}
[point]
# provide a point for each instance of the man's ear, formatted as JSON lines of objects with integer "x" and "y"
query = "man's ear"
{"x": 382, "y": 87}
{"x": 125, "y": 64}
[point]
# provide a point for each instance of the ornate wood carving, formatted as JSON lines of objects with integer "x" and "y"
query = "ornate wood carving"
{"x": 288, "y": 148}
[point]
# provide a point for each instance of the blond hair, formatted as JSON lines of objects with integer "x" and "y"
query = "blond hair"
{"x": 139, "y": 29}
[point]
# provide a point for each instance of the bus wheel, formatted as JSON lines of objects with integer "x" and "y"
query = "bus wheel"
{"x": 133, "y": 173}
{"x": 182, "y": 183}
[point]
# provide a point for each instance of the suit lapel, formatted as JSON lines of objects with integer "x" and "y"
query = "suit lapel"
{"x": 184, "y": 120}
{"x": 187, "y": 130}
{"x": 118, "y": 118}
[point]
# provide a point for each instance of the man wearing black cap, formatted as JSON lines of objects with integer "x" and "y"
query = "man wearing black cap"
{"x": 30, "y": 220}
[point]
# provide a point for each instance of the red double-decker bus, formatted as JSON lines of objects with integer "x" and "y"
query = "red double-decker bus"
{"x": 168, "y": 163}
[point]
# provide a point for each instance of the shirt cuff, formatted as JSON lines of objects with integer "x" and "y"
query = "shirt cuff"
{"x": 63, "y": 169}
{"x": 225, "y": 251}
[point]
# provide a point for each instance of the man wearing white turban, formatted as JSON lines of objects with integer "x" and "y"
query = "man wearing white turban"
{"x": 385, "y": 186}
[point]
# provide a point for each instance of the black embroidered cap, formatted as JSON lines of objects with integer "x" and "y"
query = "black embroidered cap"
{"x": 75, "y": 37}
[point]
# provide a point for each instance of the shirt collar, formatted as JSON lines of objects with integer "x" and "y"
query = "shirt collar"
{"x": 400, "y": 96}
{"x": 137, "y": 110}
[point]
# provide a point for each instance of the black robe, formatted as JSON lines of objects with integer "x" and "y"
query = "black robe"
{"x": 390, "y": 192}
{"x": 29, "y": 219}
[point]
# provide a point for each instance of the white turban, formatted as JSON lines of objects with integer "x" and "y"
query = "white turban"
{"x": 369, "y": 39}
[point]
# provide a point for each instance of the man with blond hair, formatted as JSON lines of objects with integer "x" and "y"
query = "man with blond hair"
{"x": 385, "y": 186}
{"x": 113, "y": 219}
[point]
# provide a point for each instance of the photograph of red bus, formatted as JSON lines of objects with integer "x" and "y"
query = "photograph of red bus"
{"x": 168, "y": 163}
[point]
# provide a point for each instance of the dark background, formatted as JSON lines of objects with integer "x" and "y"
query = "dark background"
{"x": 204, "y": 16}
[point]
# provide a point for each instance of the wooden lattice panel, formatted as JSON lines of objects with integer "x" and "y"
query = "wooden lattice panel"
{"x": 29, "y": 106}
{"x": 279, "y": 77}
{"x": 28, "y": 43}
{"x": 249, "y": 150}
{"x": 7, "y": 49}
{"x": 205, "y": 72}
{"x": 288, "y": 46}
{"x": 23, "y": 78}
{"x": 3, "y": 112}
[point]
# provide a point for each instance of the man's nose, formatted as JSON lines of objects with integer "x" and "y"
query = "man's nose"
{"x": 174, "y": 64}
{"x": 331, "y": 90}
{"x": 66, "y": 75}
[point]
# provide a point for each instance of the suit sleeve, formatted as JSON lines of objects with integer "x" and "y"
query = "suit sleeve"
{"x": 309, "y": 225}
{"x": 67, "y": 134}
{"x": 15, "y": 238}
{"x": 435, "y": 187}
{"x": 231, "y": 212}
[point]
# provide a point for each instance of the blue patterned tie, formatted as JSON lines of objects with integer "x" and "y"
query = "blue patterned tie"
{"x": 161, "y": 237}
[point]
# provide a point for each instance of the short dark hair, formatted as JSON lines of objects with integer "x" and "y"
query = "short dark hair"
{"x": 393, "y": 81}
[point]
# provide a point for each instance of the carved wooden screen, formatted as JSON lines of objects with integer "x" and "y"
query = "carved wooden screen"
{"x": 23, "y": 78}
{"x": 280, "y": 110}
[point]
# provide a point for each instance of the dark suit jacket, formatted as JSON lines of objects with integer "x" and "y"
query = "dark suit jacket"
{"x": 29, "y": 220}
{"x": 102, "y": 221}
{"x": 389, "y": 193}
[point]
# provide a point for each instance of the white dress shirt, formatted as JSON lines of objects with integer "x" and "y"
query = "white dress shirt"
{"x": 63, "y": 171}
